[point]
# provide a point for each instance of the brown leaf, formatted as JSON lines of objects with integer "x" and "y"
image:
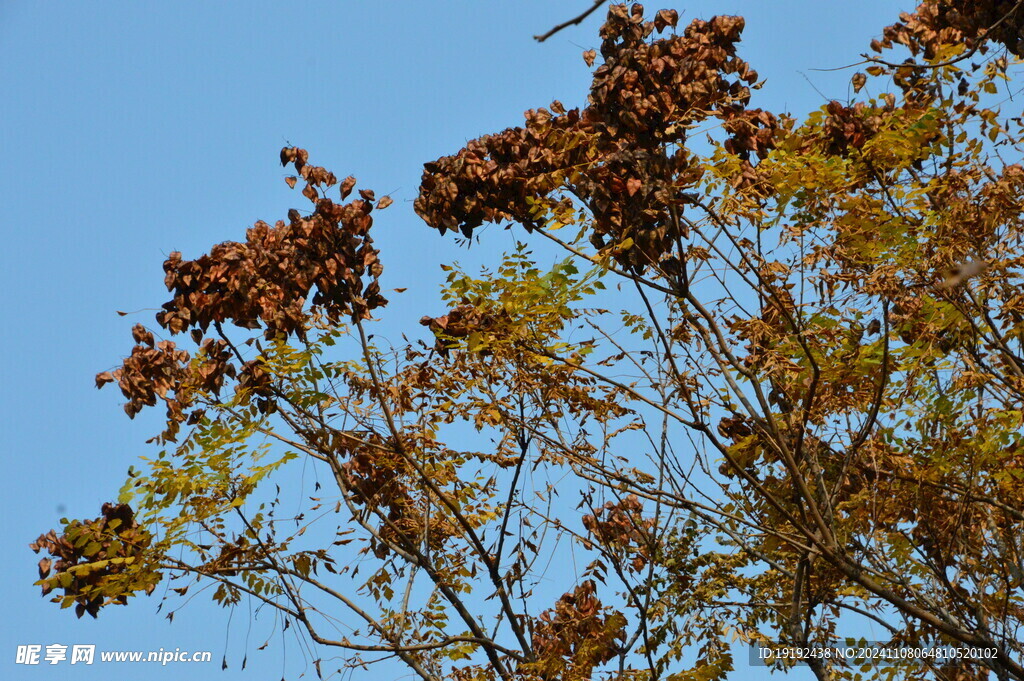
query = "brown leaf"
{"x": 384, "y": 202}
{"x": 142, "y": 336}
{"x": 858, "y": 81}
{"x": 346, "y": 186}
{"x": 589, "y": 57}
{"x": 666, "y": 17}
{"x": 291, "y": 180}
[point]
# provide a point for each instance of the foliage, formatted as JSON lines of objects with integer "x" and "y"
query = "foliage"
{"x": 808, "y": 413}
{"x": 99, "y": 562}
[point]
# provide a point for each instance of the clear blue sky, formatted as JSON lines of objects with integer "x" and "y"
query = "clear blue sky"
{"x": 131, "y": 129}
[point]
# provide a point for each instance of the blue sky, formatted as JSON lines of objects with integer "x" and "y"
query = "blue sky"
{"x": 131, "y": 129}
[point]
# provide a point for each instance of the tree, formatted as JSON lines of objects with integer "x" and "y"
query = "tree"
{"x": 809, "y": 411}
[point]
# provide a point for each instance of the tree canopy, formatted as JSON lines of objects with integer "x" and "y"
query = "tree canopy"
{"x": 771, "y": 385}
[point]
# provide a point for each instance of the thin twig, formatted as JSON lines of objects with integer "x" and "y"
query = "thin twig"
{"x": 571, "y": 22}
